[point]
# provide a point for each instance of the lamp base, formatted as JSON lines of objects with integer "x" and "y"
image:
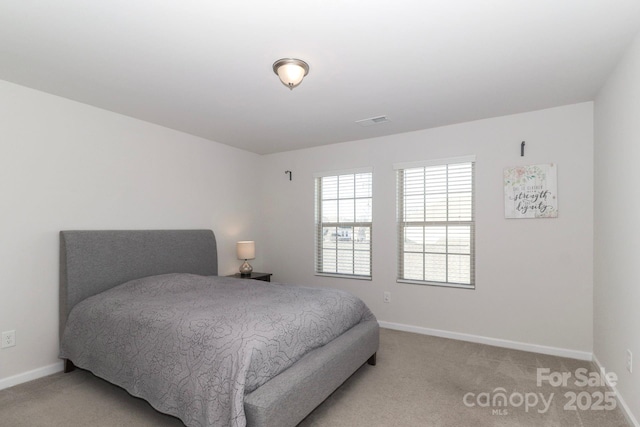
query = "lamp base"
{"x": 246, "y": 269}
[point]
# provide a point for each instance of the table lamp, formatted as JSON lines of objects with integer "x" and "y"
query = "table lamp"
{"x": 246, "y": 250}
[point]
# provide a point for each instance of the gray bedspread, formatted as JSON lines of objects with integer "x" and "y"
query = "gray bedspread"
{"x": 193, "y": 346}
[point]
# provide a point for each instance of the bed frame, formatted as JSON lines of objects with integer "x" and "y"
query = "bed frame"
{"x": 94, "y": 261}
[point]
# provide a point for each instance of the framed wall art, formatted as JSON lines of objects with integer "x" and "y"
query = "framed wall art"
{"x": 531, "y": 191}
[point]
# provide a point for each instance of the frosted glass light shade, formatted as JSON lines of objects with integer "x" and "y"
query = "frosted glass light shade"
{"x": 291, "y": 71}
{"x": 246, "y": 249}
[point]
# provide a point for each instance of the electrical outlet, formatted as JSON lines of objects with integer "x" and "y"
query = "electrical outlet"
{"x": 387, "y": 297}
{"x": 629, "y": 361}
{"x": 8, "y": 339}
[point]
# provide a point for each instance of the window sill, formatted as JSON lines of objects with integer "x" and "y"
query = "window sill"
{"x": 439, "y": 284}
{"x": 343, "y": 276}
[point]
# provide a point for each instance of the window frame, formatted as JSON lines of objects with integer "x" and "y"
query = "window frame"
{"x": 320, "y": 225}
{"x": 402, "y": 223}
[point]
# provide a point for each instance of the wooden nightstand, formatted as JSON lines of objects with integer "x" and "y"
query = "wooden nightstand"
{"x": 265, "y": 277}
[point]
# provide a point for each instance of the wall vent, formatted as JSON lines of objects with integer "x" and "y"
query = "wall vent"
{"x": 372, "y": 121}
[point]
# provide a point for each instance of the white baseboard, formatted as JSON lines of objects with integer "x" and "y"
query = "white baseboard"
{"x": 31, "y": 375}
{"x": 621, "y": 402}
{"x": 553, "y": 351}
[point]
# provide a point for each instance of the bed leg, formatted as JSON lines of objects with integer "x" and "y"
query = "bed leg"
{"x": 68, "y": 366}
{"x": 372, "y": 360}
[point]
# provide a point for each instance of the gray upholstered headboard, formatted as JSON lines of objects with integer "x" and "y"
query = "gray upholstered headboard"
{"x": 94, "y": 261}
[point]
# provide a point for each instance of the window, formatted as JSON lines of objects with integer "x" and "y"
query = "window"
{"x": 436, "y": 228}
{"x": 343, "y": 223}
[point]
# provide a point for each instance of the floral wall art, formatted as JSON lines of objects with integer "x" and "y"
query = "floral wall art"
{"x": 531, "y": 191}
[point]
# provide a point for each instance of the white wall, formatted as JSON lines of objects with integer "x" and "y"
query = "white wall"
{"x": 534, "y": 276}
{"x": 617, "y": 234}
{"x": 66, "y": 165}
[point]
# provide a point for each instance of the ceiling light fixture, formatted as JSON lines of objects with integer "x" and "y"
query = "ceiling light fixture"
{"x": 291, "y": 71}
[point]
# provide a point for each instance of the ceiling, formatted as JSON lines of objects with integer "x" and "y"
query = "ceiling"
{"x": 204, "y": 67}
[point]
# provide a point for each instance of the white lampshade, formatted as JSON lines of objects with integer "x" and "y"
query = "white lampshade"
{"x": 246, "y": 249}
{"x": 291, "y": 71}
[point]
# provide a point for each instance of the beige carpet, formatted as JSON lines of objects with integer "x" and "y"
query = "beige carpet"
{"x": 419, "y": 381}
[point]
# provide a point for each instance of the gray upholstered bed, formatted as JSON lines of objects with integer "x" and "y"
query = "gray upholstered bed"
{"x": 98, "y": 262}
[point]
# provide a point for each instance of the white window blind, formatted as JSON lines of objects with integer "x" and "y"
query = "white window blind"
{"x": 343, "y": 223}
{"x": 436, "y": 226}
